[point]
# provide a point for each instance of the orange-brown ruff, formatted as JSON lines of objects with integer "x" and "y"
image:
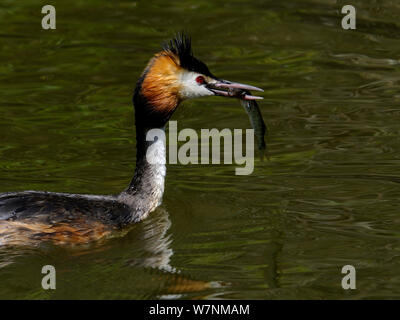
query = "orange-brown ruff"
{"x": 160, "y": 86}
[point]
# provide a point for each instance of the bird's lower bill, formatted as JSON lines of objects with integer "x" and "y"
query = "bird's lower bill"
{"x": 230, "y": 89}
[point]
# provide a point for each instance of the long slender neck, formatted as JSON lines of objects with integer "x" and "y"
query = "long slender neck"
{"x": 146, "y": 189}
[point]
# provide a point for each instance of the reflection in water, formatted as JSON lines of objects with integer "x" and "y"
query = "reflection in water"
{"x": 150, "y": 245}
{"x": 155, "y": 242}
{"x": 156, "y": 252}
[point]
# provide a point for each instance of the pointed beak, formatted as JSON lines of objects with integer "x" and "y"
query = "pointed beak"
{"x": 230, "y": 89}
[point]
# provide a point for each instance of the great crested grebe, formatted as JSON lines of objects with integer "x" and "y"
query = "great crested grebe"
{"x": 170, "y": 77}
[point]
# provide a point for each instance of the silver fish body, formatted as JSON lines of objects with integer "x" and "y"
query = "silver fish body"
{"x": 256, "y": 121}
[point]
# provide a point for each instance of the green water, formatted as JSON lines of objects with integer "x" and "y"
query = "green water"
{"x": 327, "y": 197}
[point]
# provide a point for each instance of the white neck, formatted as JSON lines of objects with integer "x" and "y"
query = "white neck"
{"x": 147, "y": 187}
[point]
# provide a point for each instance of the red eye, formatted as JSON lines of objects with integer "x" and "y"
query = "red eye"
{"x": 200, "y": 80}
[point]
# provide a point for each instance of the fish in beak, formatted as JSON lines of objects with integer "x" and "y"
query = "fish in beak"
{"x": 230, "y": 89}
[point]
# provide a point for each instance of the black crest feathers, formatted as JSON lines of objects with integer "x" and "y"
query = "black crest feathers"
{"x": 181, "y": 45}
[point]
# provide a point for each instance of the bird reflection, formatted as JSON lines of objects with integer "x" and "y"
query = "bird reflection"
{"x": 154, "y": 242}
{"x": 148, "y": 244}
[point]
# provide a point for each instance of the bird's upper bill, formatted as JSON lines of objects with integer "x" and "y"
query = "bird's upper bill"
{"x": 232, "y": 89}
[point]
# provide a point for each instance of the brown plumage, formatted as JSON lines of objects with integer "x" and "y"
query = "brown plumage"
{"x": 30, "y": 233}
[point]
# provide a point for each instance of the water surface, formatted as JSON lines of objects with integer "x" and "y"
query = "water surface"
{"x": 327, "y": 197}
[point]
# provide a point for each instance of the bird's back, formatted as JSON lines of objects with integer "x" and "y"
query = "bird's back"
{"x": 29, "y": 216}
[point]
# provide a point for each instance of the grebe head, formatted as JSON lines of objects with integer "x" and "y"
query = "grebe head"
{"x": 174, "y": 75}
